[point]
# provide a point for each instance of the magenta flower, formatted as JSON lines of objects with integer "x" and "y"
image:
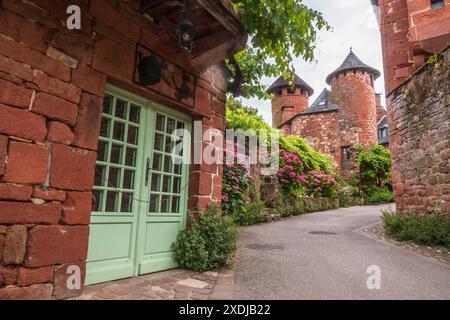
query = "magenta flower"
{"x": 292, "y": 174}
{"x": 282, "y": 171}
{"x": 236, "y": 188}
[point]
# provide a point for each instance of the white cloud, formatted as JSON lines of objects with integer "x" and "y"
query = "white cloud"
{"x": 354, "y": 25}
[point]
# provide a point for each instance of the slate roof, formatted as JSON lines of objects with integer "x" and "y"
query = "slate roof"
{"x": 351, "y": 63}
{"x": 321, "y": 104}
{"x": 283, "y": 83}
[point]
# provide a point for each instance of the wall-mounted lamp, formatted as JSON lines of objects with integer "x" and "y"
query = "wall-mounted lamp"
{"x": 186, "y": 33}
{"x": 149, "y": 70}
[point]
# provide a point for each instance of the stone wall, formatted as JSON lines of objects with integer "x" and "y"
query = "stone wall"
{"x": 320, "y": 130}
{"x": 419, "y": 122}
{"x": 52, "y": 84}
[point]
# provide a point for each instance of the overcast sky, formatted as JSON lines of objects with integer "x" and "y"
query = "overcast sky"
{"x": 354, "y": 25}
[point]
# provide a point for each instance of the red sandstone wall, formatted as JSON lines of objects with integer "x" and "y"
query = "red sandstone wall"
{"x": 51, "y": 90}
{"x": 320, "y": 130}
{"x": 419, "y": 122}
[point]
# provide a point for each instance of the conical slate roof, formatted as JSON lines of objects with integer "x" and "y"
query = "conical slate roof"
{"x": 322, "y": 104}
{"x": 352, "y": 63}
{"x": 283, "y": 83}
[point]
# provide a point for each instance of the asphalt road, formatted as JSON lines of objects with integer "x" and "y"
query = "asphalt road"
{"x": 283, "y": 260}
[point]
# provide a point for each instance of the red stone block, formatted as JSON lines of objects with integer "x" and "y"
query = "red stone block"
{"x": 50, "y": 245}
{"x": 14, "y": 95}
{"x": 27, "y": 163}
{"x": 89, "y": 80}
{"x": 77, "y": 208}
{"x": 3, "y": 153}
{"x": 56, "y": 87}
{"x": 8, "y": 276}
{"x": 55, "y": 108}
{"x": 200, "y": 184}
{"x": 34, "y": 292}
{"x": 15, "y": 241}
{"x": 29, "y": 276}
{"x": 32, "y": 126}
{"x": 202, "y": 101}
{"x": 66, "y": 274}
{"x": 196, "y": 203}
{"x": 72, "y": 168}
{"x": 16, "y": 69}
{"x": 89, "y": 120}
{"x": 58, "y": 132}
{"x": 49, "y": 195}
{"x": 29, "y": 213}
{"x": 14, "y": 192}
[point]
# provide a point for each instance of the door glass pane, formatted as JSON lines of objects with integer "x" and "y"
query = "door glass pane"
{"x": 107, "y": 104}
{"x": 111, "y": 201}
{"x": 134, "y": 113}
{"x": 176, "y": 185}
{"x": 170, "y": 125}
{"x": 102, "y": 154}
{"x": 159, "y": 142}
{"x": 165, "y": 203}
{"x": 104, "y": 129}
{"x": 127, "y": 202}
{"x": 166, "y": 183}
{"x": 168, "y": 164}
{"x": 98, "y": 200}
{"x": 133, "y": 135}
{"x": 154, "y": 203}
{"x": 160, "y": 122}
{"x": 121, "y": 109}
{"x": 130, "y": 159}
{"x": 156, "y": 182}
{"x": 175, "y": 204}
{"x": 157, "y": 159}
{"x": 116, "y": 153}
{"x": 119, "y": 129}
{"x": 114, "y": 177}
{"x": 100, "y": 173}
{"x": 128, "y": 179}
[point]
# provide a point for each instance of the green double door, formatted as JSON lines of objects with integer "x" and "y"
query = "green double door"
{"x": 140, "y": 189}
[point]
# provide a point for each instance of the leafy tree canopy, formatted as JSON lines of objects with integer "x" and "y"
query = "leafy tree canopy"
{"x": 374, "y": 164}
{"x": 280, "y": 30}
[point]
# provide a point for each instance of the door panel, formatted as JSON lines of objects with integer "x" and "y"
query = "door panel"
{"x": 140, "y": 188}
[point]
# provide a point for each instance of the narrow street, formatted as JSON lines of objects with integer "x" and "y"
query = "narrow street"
{"x": 323, "y": 256}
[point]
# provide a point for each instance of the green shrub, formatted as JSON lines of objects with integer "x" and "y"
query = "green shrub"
{"x": 433, "y": 229}
{"x": 252, "y": 213}
{"x": 380, "y": 195}
{"x": 209, "y": 244}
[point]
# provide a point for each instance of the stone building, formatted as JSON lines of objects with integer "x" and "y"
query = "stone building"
{"x": 339, "y": 118}
{"x": 87, "y": 185}
{"x": 418, "y": 100}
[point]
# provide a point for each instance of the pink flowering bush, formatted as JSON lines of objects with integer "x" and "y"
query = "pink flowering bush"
{"x": 296, "y": 178}
{"x": 235, "y": 186}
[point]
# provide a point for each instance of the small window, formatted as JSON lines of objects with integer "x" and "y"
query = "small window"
{"x": 280, "y": 92}
{"x": 437, "y": 4}
{"x": 382, "y": 133}
{"x": 322, "y": 103}
{"x": 291, "y": 90}
{"x": 345, "y": 158}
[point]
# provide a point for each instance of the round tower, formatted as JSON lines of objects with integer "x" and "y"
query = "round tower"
{"x": 352, "y": 90}
{"x": 289, "y": 99}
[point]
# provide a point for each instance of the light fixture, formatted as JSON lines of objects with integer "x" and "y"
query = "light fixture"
{"x": 186, "y": 31}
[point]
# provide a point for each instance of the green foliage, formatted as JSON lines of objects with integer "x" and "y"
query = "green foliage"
{"x": 374, "y": 164}
{"x": 433, "y": 229}
{"x": 252, "y": 213}
{"x": 280, "y": 30}
{"x": 311, "y": 158}
{"x": 242, "y": 117}
{"x": 209, "y": 244}
{"x": 349, "y": 195}
{"x": 288, "y": 204}
{"x": 376, "y": 195}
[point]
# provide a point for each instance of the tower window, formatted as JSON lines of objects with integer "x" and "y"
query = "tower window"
{"x": 291, "y": 90}
{"x": 437, "y": 4}
{"x": 280, "y": 92}
{"x": 345, "y": 158}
